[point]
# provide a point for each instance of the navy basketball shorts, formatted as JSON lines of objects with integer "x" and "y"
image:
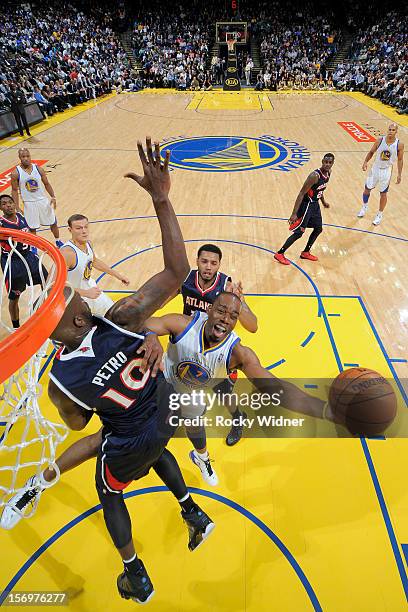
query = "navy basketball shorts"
{"x": 308, "y": 215}
{"x": 17, "y": 277}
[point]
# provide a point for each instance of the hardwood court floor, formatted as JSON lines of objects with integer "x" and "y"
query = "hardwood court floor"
{"x": 301, "y": 524}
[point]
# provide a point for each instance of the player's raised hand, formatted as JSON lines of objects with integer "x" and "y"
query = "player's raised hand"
{"x": 156, "y": 177}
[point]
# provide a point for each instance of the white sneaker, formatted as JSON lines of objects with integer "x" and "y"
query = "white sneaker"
{"x": 23, "y": 503}
{"x": 378, "y": 218}
{"x": 206, "y": 468}
{"x": 363, "y": 210}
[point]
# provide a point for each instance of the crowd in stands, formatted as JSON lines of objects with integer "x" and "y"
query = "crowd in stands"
{"x": 61, "y": 56}
{"x": 171, "y": 44}
{"x": 379, "y": 63}
{"x": 58, "y": 56}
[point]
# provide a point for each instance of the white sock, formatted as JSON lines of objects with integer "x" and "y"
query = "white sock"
{"x": 203, "y": 456}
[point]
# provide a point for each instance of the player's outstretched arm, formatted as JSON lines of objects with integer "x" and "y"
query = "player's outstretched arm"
{"x": 171, "y": 324}
{"x": 311, "y": 180}
{"x": 244, "y": 359}
{"x": 131, "y": 312}
{"x": 100, "y": 265}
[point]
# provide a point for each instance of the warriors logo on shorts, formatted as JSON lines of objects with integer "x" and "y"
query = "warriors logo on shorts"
{"x": 32, "y": 185}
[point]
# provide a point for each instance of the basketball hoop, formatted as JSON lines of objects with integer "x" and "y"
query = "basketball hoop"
{"x": 230, "y": 45}
{"x": 230, "y": 39}
{"x": 28, "y": 440}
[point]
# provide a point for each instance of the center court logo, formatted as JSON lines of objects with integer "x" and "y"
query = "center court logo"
{"x": 234, "y": 153}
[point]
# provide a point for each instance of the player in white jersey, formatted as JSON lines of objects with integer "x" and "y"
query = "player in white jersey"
{"x": 216, "y": 331}
{"x": 80, "y": 259}
{"x": 388, "y": 150}
{"x": 31, "y": 180}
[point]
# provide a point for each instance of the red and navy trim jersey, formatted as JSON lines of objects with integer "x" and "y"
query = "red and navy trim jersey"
{"x": 195, "y": 298}
{"x": 20, "y": 224}
{"x": 316, "y": 191}
{"x": 103, "y": 375}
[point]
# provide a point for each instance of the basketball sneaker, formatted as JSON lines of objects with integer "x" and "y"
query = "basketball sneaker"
{"x": 307, "y": 255}
{"x": 363, "y": 211}
{"x": 282, "y": 259}
{"x": 205, "y": 467}
{"x": 22, "y": 503}
{"x": 235, "y": 433}
{"x": 378, "y": 218}
{"x": 199, "y": 526}
{"x": 135, "y": 586}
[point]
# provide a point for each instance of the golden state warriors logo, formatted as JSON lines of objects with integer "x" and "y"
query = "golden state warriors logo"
{"x": 192, "y": 374}
{"x": 32, "y": 185}
{"x": 385, "y": 155}
{"x": 88, "y": 270}
{"x": 234, "y": 153}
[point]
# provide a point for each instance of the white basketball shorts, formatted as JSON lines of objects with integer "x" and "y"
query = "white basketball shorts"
{"x": 39, "y": 213}
{"x": 101, "y": 304}
{"x": 380, "y": 177}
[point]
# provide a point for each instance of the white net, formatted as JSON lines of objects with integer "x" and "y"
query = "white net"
{"x": 28, "y": 440}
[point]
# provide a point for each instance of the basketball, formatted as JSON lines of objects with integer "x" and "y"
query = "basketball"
{"x": 363, "y": 401}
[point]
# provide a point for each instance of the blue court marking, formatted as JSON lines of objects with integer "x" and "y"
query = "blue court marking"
{"x": 159, "y": 489}
{"x": 399, "y": 360}
{"x": 308, "y": 339}
{"x": 237, "y": 216}
{"x": 333, "y": 314}
{"x": 351, "y": 365}
{"x": 276, "y": 364}
{"x": 386, "y": 516}
{"x": 3, "y": 423}
{"x": 311, "y": 386}
{"x": 405, "y": 551}
{"x": 376, "y": 438}
{"x": 384, "y": 352}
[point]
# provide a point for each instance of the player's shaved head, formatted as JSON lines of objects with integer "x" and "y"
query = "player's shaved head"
{"x": 393, "y": 126}
{"x": 75, "y": 322}
{"x": 23, "y": 151}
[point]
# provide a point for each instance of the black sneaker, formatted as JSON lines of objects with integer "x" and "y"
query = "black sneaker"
{"x": 137, "y": 587}
{"x": 235, "y": 433}
{"x": 199, "y": 526}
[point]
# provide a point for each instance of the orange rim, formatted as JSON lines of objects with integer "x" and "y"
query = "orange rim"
{"x": 17, "y": 348}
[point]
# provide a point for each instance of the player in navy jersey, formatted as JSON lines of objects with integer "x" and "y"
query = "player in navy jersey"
{"x": 16, "y": 274}
{"x": 199, "y": 290}
{"x": 99, "y": 370}
{"x": 306, "y": 211}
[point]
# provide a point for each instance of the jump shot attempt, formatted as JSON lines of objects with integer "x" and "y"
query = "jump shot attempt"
{"x": 99, "y": 369}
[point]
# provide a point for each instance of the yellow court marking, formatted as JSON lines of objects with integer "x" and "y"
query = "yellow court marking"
{"x": 315, "y": 495}
{"x": 56, "y": 119}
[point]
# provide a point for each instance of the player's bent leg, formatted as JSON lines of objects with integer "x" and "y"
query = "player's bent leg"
{"x": 200, "y": 455}
{"x": 312, "y": 239}
{"x": 280, "y": 255}
{"x": 14, "y": 312}
{"x": 198, "y": 522}
{"x": 364, "y": 208}
{"x": 226, "y": 392}
{"x": 134, "y": 582}
{"x": 26, "y": 499}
